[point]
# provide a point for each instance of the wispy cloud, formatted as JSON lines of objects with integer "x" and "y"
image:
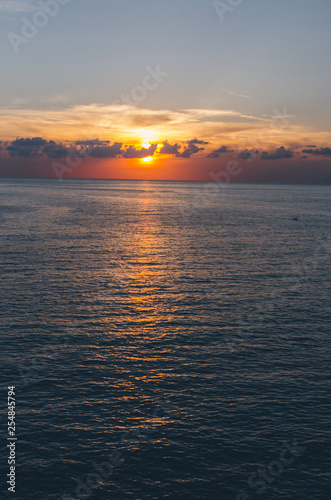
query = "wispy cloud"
{"x": 102, "y": 120}
{"x": 136, "y": 125}
{"x": 235, "y": 93}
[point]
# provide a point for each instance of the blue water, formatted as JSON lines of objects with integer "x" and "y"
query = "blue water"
{"x": 175, "y": 333}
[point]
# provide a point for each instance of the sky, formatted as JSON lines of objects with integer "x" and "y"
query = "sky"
{"x": 176, "y": 89}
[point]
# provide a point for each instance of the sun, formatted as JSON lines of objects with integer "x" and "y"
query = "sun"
{"x": 148, "y": 159}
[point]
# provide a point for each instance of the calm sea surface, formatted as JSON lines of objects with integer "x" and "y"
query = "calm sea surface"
{"x": 166, "y": 341}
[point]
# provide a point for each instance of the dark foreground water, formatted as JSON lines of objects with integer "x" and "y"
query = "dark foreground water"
{"x": 166, "y": 341}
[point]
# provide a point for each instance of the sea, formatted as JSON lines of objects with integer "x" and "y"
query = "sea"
{"x": 165, "y": 340}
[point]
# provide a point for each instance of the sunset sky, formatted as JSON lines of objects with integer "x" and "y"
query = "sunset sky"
{"x": 176, "y": 89}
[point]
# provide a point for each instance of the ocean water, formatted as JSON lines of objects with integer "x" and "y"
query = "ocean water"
{"x": 167, "y": 340}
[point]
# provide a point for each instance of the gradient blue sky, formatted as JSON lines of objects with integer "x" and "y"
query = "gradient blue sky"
{"x": 264, "y": 55}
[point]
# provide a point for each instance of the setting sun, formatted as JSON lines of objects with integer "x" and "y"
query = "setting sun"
{"x": 148, "y": 159}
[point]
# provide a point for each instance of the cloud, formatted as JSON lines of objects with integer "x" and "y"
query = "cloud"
{"x": 196, "y": 141}
{"x": 129, "y": 124}
{"x": 150, "y": 120}
{"x": 92, "y": 142}
{"x": 107, "y": 151}
{"x": 191, "y": 149}
{"x": 133, "y": 152}
{"x": 318, "y": 152}
{"x": 279, "y": 154}
{"x": 26, "y": 148}
{"x": 188, "y": 152}
{"x": 235, "y": 93}
{"x": 53, "y": 150}
{"x": 217, "y": 152}
{"x": 248, "y": 154}
{"x": 37, "y": 147}
{"x": 169, "y": 149}
{"x": 95, "y": 148}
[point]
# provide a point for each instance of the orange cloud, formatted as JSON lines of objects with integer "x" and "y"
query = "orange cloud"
{"x": 132, "y": 125}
